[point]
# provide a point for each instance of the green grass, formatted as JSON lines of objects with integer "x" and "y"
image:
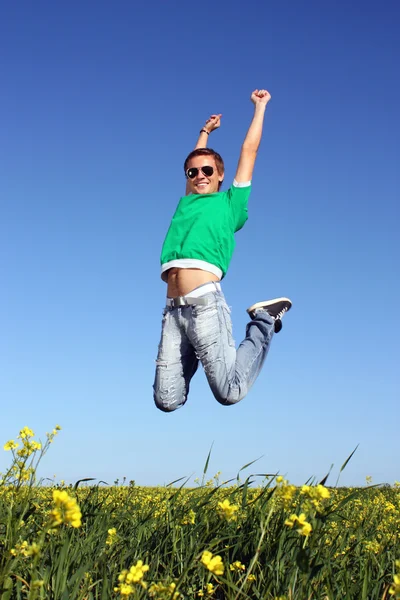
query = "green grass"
{"x": 349, "y": 553}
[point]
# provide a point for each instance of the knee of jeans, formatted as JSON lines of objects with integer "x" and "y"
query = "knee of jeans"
{"x": 231, "y": 395}
{"x": 163, "y": 403}
{"x": 167, "y": 400}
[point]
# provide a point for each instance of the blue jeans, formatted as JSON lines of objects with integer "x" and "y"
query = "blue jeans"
{"x": 204, "y": 333}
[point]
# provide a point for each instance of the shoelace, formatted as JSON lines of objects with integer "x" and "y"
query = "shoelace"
{"x": 281, "y": 313}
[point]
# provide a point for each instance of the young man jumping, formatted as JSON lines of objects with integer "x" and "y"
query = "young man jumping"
{"x": 195, "y": 257}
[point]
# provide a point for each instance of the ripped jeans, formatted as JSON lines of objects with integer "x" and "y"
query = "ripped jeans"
{"x": 204, "y": 333}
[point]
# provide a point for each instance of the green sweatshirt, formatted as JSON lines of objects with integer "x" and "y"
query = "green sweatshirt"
{"x": 201, "y": 233}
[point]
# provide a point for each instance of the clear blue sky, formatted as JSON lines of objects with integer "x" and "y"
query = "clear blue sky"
{"x": 100, "y": 104}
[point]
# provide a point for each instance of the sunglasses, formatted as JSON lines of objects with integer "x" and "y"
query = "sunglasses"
{"x": 194, "y": 171}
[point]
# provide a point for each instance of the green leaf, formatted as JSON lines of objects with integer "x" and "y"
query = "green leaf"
{"x": 208, "y": 460}
{"x": 347, "y": 459}
{"x": 303, "y": 559}
{"x": 177, "y": 481}
{"x": 324, "y": 479}
{"x": 249, "y": 464}
{"x": 85, "y": 479}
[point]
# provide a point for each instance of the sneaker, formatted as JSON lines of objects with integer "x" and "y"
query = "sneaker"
{"x": 276, "y": 308}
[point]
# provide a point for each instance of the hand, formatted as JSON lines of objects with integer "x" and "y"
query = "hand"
{"x": 260, "y": 97}
{"x": 213, "y": 123}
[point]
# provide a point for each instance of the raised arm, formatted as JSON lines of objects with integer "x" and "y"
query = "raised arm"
{"x": 244, "y": 172}
{"x": 212, "y": 123}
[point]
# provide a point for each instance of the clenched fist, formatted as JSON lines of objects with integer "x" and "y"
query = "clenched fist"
{"x": 213, "y": 123}
{"x": 260, "y": 97}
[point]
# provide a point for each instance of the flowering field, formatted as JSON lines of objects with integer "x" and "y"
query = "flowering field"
{"x": 238, "y": 540}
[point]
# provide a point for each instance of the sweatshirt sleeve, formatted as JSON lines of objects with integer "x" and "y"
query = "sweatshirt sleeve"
{"x": 238, "y": 197}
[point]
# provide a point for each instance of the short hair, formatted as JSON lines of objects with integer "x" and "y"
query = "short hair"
{"x": 206, "y": 152}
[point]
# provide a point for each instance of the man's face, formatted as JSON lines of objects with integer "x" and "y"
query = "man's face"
{"x": 202, "y": 183}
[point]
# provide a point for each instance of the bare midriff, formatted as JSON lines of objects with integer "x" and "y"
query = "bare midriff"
{"x": 183, "y": 281}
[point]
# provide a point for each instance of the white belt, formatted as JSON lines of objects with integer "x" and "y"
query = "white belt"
{"x": 195, "y": 296}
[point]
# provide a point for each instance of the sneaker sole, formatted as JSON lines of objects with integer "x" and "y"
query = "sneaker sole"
{"x": 267, "y": 303}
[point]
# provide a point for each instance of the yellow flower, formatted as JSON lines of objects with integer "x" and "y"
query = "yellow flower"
{"x": 395, "y": 588}
{"x": 112, "y": 535}
{"x": 213, "y": 563}
{"x": 300, "y": 523}
{"x": 322, "y": 491}
{"x": 10, "y": 445}
{"x": 136, "y": 572}
{"x": 316, "y": 494}
{"x": 66, "y": 509}
{"x": 190, "y": 518}
{"x": 25, "y": 433}
{"x": 124, "y": 589}
{"x": 30, "y": 446}
{"x": 291, "y": 521}
{"x": 22, "y": 549}
{"x": 50, "y": 436}
{"x": 33, "y": 549}
{"x": 251, "y": 577}
{"x": 237, "y": 566}
{"x": 167, "y": 592}
{"x": 373, "y": 546}
{"x": 209, "y": 589}
{"x": 227, "y": 510}
{"x": 287, "y": 492}
{"x": 133, "y": 575}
